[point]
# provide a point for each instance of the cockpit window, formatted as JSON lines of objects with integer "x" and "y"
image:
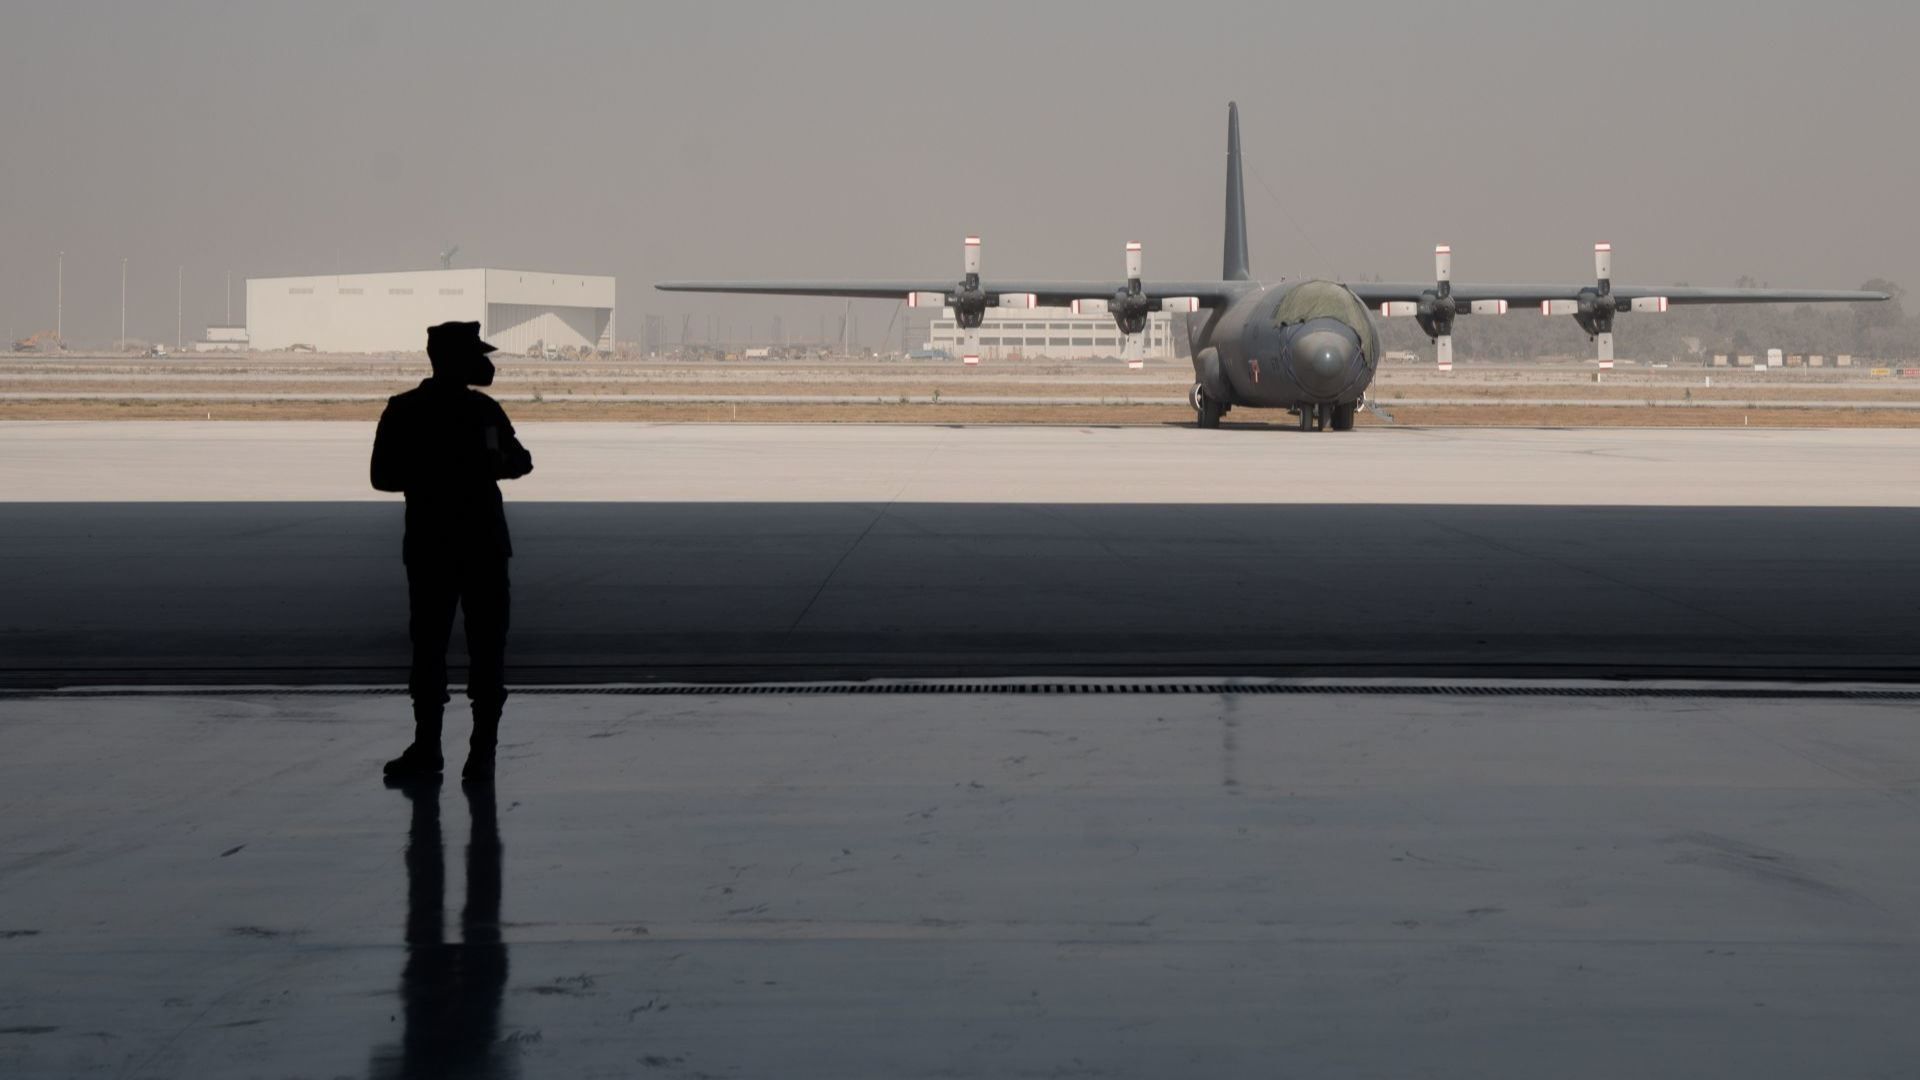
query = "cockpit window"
{"x": 1311, "y": 300}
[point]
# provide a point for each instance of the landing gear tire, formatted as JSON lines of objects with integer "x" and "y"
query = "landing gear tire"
{"x": 1343, "y": 415}
{"x": 1306, "y": 418}
{"x": 1207, "y": 412}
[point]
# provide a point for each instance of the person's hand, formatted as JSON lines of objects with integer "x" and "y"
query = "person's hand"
{"x": 512, "y": 464}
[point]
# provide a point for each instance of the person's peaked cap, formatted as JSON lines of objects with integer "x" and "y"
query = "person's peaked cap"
{"x": 455, "y": 336}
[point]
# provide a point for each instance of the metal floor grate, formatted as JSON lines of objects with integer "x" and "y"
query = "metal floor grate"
{"x": 997, "y": 689}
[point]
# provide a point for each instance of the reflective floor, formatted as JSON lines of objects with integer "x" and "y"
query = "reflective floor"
{"x": 848, "y": 886}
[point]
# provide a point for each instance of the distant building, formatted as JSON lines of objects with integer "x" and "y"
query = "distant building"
{"x": 222, "y": 339}
{"x": 520, "y": 311}
{"x": 1054, "y": 333}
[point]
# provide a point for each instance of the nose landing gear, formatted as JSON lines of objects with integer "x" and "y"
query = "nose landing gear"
{"x": 1207, "y": 412}
{"x": 1336, "y": 416}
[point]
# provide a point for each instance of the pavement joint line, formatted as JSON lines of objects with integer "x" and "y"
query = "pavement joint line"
{"x": 1118, "y": 400}
{"x": 987, "y": 688}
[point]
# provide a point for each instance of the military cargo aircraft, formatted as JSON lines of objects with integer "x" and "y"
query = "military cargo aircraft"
{"x": 1310, "y": 347}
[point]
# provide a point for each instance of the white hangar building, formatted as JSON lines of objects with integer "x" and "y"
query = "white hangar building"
{"x": 520, "y": 311}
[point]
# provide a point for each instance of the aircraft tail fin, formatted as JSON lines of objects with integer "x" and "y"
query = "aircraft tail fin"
{"x": 1233, "y": 255}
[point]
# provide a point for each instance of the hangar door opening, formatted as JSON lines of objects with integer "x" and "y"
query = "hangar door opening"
{"x": 524, "y": 328}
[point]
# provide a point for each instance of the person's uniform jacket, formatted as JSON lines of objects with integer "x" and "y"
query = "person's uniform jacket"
{"x": 433, "y": 445}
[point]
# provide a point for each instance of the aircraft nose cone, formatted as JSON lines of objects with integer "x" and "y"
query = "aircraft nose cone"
{"x": 1321, "y": 356}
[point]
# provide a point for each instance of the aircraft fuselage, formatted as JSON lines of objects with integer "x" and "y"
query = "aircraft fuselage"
{"x": 1287, "y": 346}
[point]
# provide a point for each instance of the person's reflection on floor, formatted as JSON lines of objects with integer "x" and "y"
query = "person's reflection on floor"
{"x": 450, "y": 994}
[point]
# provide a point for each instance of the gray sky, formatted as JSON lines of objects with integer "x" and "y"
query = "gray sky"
{"x": 1706, "y": 140}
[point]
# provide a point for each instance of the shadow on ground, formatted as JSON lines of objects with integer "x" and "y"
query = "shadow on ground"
{"x": 314, "y": 592}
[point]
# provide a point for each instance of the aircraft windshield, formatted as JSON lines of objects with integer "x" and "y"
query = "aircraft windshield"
{"x": 1311, "y": 300}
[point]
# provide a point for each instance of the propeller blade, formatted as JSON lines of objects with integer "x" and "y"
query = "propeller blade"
{"x": 1090, "y": 307}
{"x": 1656, "y": 304}
{"x": 1603, "y": 264}
{"x": 1443, "y": 264}
{"x": 1444, "y": 351}
{"x": 1134, "y": 260}
{"x": 970, "y": 261}
{"x": 970, "y": 348}
{"x": 1488, "y": 307}
{"x": 1606, "y": 350}
{"x": 926, "y": 299}
{"x": 1019, "y": 300}
{"x": 1559, "y": 307}
{"x": 1188, "y": 304}
{"x": 1133, "y": 349}
{"x": 1398, "y": 308}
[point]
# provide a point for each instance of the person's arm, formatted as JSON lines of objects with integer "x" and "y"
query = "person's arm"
{"x": 511, "y": 461}
{"x": 388, "y": 470}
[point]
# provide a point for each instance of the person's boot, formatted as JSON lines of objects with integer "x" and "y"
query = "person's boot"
{"x": 480, "y": 747}
{"x": 422, "y": 758}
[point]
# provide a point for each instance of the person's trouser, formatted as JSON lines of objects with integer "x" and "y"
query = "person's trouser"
{"x": 479, "y": 588}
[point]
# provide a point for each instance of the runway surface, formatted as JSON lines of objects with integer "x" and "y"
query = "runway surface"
{"x": 1197, "y": 885}
{"x": 854, "y": 552}
{"x": 236, "y": 461}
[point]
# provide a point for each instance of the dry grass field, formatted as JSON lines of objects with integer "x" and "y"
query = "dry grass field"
{"x": 1571, "y": 394}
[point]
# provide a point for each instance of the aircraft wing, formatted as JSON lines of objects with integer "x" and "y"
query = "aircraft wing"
{"x": 1375, "y": 293}
{"x": 1045, "y": 293}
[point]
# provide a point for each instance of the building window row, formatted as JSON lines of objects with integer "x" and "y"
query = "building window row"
{"x": 1081, "y": 324}
{"x": 1058, "y": 343}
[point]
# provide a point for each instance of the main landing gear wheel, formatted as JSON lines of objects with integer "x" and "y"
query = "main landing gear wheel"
{"x": 1306, "y": 418}
{"x": 1207, "y": 411}
{"x": 1343, "y": 415}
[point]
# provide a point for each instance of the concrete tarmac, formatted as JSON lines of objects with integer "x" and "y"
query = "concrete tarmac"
{"x": 293, "y": 461}
{"x": 1197, "y": 885}
{"x": 742, "y": 553}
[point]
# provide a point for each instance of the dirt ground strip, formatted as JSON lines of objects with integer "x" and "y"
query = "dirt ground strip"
{"x": 1066, "y": 414}
{"x": 1547, "y": 393}
{"x": 1120, "y": 391}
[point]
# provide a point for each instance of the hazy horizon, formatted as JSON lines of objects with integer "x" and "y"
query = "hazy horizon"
{"x": 1705, "y": 141}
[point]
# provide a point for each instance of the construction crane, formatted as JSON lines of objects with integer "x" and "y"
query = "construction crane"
{"x": 44, "y": 341}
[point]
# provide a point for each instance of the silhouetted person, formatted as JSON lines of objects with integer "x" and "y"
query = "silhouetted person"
{"x": 446, "y": 446}
{"x": 450, "y": 994}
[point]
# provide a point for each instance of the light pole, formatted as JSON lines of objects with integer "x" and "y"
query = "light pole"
{"x": 60, "y": 299}
{"x": 179, "y": 294}
{"x": 229, "y": 298}
{"x": 123, "y": 303}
